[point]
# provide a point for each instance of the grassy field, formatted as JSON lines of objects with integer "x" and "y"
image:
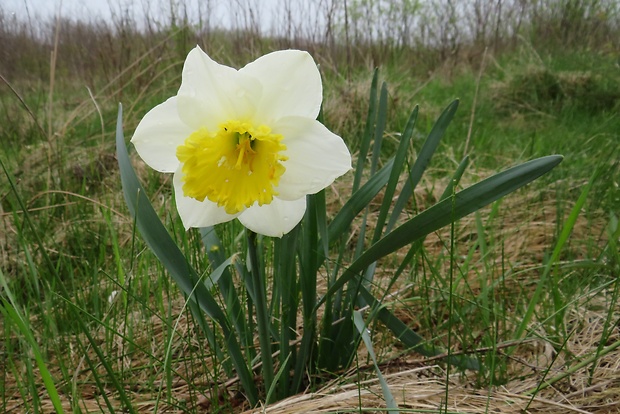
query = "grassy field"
{"x": 529, "y": 284}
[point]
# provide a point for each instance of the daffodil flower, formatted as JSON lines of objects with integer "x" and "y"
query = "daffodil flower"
{"x": 244, "y": 143}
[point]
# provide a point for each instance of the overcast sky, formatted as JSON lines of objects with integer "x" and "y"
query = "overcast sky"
{"x": 69, "y": 8}
{"x": 159, "y": 9}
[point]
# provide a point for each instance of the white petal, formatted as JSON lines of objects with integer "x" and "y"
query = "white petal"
{"x": 274, "y": 219}
{"x": 211, "y": 93}
{"x": 158, "y": 135}
{"x": 291, "y": 85}
{"x": 316, "y": 157}
{"x": 194, "y": 213}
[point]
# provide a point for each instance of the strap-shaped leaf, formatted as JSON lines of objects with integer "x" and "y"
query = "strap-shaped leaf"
{"x": 456, "y": 178}
{"x": 363, "y": 331}
{"x": 400, "y": 160}
{"x": 450, "y": 209}
{"x": 368, "y": 132}
{"x": 358, "y": 201}
{"x": 161, "y": 244}
{"x": 374, "y": 162}
{"x": 409, "y": 337}
{"x": 424, "y": 158}
{"x": 156, "y": 236}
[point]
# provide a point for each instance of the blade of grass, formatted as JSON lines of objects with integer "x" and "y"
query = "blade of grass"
{"x": 77, "y": 314}
{"x": 11, "y": 311}
{"x": 562, "y": 239}
{"x": 214, "y": 276}
{"x": 409, "y": 337}
{"x": 390, "y": 189}
{"x": 415, "y": 247}
{"x": 584, "y": 363}
{"x": 276, "y": 379}
{"x": 456, "y": 178}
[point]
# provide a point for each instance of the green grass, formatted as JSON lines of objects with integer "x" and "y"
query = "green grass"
{"x": 542, "y": 253}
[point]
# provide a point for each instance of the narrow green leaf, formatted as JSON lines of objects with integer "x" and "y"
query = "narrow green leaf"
{"x": 409, "y": 337}
{"x": 161, "y": 244}
{"x": 374, "y": 162}
{"x": 263, "y": 320}
{"x": 216, "y": 274}
{"x": 443, "y": 213}
{"x": 102, "y": 383}
{"x": 390, "y": 402}
{"x": 399, "y": 163}
{"x": 309, "y": 254}
{"x": 285, "y": 287}
{"x": 415, "y": 247}
{"x": 390, "y": 189}
{"x": 64, "y": 295}
{"x": 276, "y": 379}
{"x": 319, "y": 203}
{"x": 424, "y": 158}
{"x": 155, "y": 234}
{"x": 367, "y": 135}
{"x": 564, "y": 235}
{"x": 581, "y": 363}
{"x": 217, "y": 256}
{"x": 9, "y": 309}
{"x": 358, "y": 201}
{"x": 456, "y": 178}
{"x": 379, "y": 128}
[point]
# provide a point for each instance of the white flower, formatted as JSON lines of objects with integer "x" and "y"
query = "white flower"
{"x": 244, "y": 143}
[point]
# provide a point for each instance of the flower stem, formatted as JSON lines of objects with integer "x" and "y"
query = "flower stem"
{"x": 262, "y": 313}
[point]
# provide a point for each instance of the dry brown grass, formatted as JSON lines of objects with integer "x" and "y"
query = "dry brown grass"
{"x": 416, "y": 384}
{"x": 527, "y": 226}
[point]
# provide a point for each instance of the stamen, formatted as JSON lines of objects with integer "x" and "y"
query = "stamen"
{"x": 234, "y": 167}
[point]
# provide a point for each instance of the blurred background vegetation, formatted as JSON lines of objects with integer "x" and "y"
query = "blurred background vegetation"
{"x": 534, "y": 78}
